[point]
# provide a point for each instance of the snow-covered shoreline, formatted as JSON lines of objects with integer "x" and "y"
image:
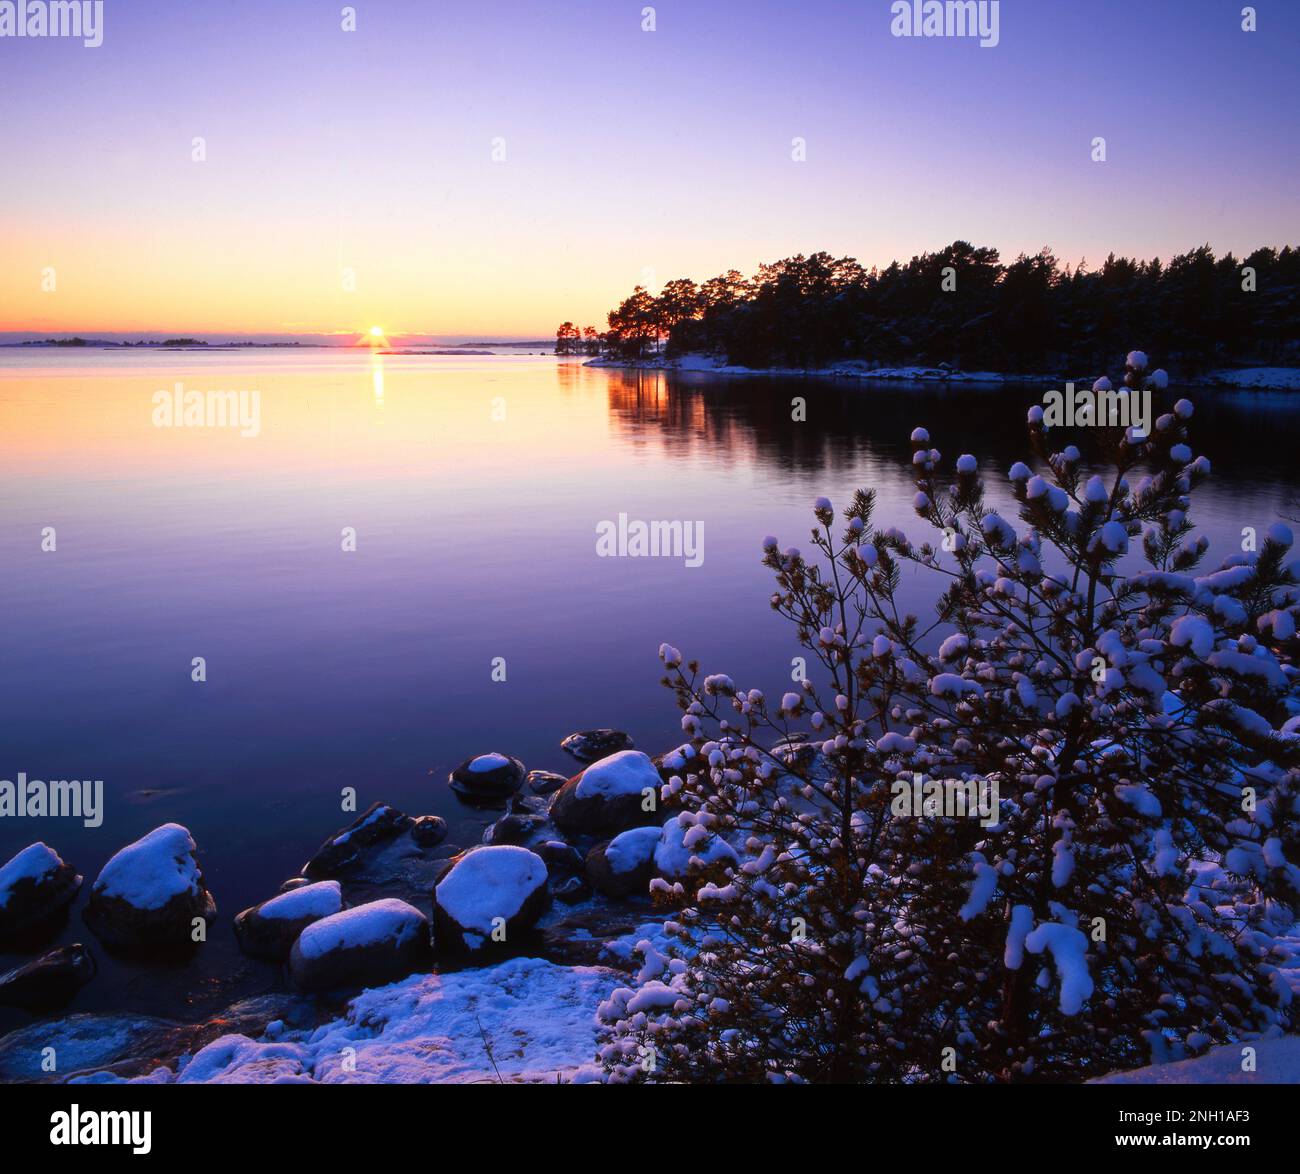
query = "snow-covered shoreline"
{"x": 1244, "y": 378}
{"x": 529, "y": 1017}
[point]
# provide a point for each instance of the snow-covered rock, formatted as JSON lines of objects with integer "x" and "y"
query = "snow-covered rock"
{"x": 150, "y": 893}
{"x": 364, "y": 946}
{"x": 378, "y": 824}
{"x": 491, "y": 895}
{"x": 624, "y": 866}
{"x": 489, "y": 778}
{"x": 269, "y": 930}
{"x": 592, "y": 745}
{"x": 35, "y": 885}
{"x": 48, "y": 981}
{"x": 608, "y": 797}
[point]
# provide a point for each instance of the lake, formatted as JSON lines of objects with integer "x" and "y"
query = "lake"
{"x": 474, "y": 486}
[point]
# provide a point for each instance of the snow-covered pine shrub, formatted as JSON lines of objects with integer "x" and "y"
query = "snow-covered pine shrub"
{"x": 1131, "y": 897}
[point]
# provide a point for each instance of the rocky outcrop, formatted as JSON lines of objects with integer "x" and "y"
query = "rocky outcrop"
{"x": 593, "y": 745}
{"x": 49, "y": 981}
{"x": 346, "y": 849}
{"x": 488, "y": 779}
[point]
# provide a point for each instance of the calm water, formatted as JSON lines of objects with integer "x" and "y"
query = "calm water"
{"x": 475, "y": 540}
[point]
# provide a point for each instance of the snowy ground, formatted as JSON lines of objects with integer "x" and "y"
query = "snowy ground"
{"x": 1275, "y": 1061}
{"x": 523, "y": 1020}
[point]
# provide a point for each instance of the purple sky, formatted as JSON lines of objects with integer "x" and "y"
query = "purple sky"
{"x": 630, "y": 156}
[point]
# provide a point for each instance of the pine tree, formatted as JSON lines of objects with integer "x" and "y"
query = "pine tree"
{"x": 1097, "y": 873}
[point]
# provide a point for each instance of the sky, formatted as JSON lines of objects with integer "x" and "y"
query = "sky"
{"x": 629, "y": 156}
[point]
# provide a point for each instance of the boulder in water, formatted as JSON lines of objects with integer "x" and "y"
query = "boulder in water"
{"x": 35, "y": 886}
{"x": 368, "y": 945}
{"x": 593, "y": 745}
{"x": 270, "y": 929}
{"x": 150, "y": 893}
{"x": 489, "y": 896}
{"x": 490, "y": 778}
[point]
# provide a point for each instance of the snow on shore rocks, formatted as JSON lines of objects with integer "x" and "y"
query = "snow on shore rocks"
{"x": 491, "y": 895}
{"x": 523, "y": 1020}
{"x": 589, "y": 746}
{"x": 626, "y": 864}
{"x": 370, "y": 944}
{"x": 345, "y": 849}
{"x": 609, "y": 797}
{"x": 150, "y": 893}
{"x": 489, "y": 778}
{"x": 270, "y": 929}
{"x": 34, "y": 886}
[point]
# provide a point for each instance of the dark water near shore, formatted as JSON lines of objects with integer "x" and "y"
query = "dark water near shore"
{"x": 475, "y": 540}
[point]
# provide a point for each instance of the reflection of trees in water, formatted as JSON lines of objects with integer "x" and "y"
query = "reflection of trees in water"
{"x": 1250, "y": 438}
{"x": 847, "y": 424}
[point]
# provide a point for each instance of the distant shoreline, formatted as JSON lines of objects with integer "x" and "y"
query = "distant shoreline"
{"x": 79, "y": 343}
{"x": 1243, "y": 379}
